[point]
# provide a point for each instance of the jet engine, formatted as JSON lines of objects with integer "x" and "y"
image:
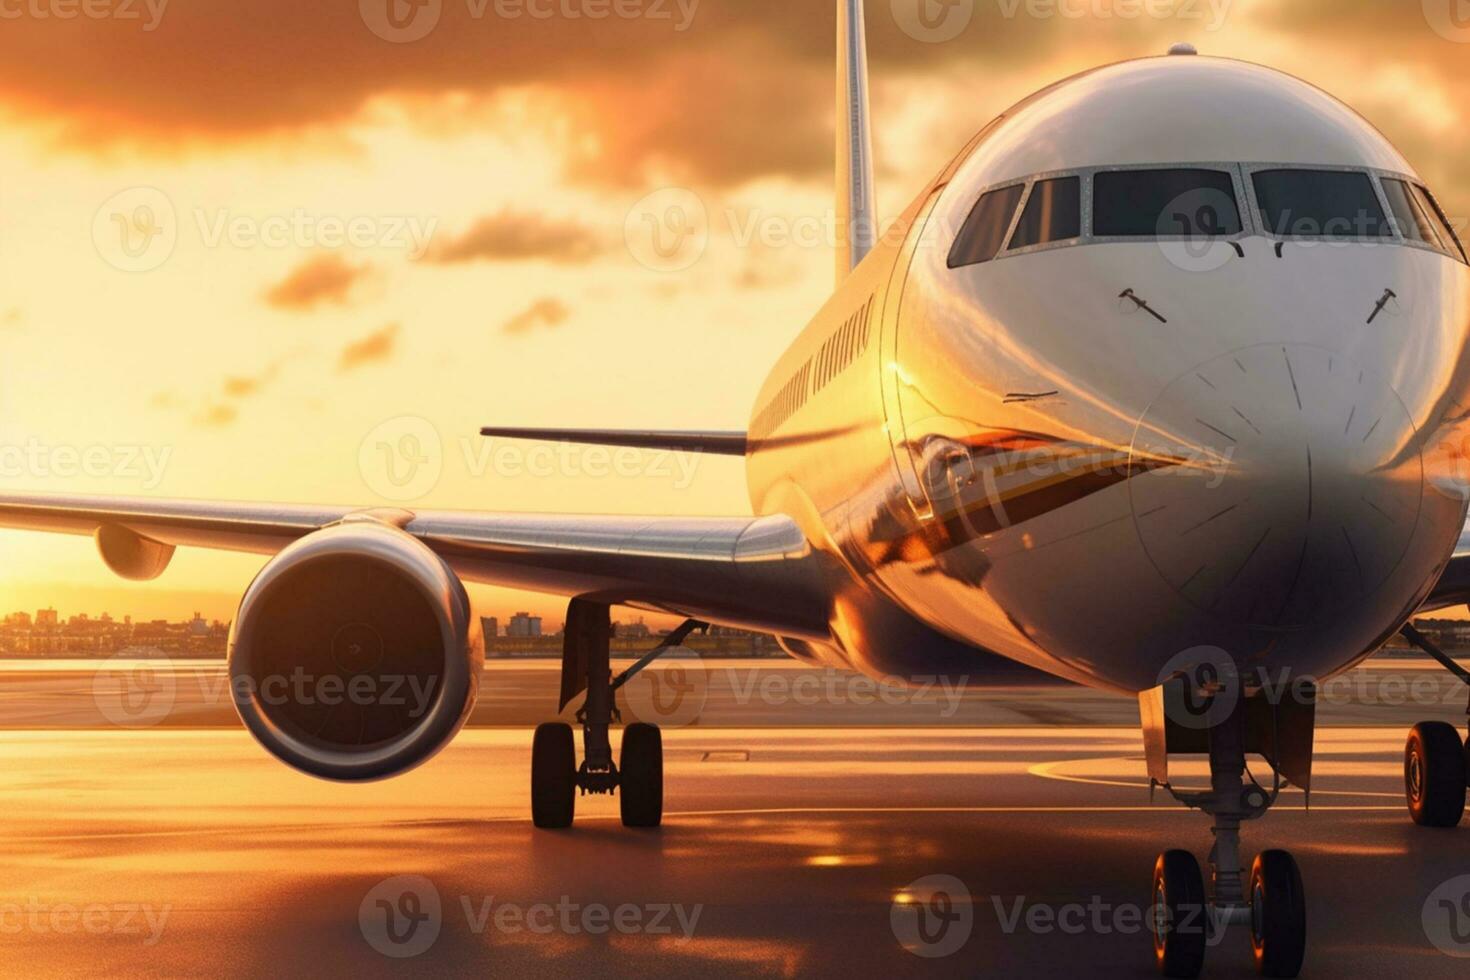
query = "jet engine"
{"x": 354, "y": 655}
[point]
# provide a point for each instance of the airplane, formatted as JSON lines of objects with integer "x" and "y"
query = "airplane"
{"x": 1158, "y": 387}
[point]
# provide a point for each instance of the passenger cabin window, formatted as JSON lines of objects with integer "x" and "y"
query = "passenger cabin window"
{"x": 1053, "y": 213}
{"x": 1452, "y": 244}
{"x": 1164, "y": 203}
{"x": 1329, "y": 204}
{"x": 985, "y": 229}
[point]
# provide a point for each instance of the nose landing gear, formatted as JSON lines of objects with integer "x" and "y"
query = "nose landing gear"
{"x": 1190, "y": 914}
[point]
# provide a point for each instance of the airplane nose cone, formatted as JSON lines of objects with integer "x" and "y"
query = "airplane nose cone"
{"x": 1276, "y": 485}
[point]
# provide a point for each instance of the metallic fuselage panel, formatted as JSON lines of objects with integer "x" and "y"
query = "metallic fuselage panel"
{"x": 1019, "y": 458}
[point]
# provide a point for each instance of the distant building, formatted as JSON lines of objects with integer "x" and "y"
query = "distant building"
{"x": 82, "y": 635}
{"x": 523, "y": 624}
{"x": 491, "y": 626}
{"x": 635, "y": 631}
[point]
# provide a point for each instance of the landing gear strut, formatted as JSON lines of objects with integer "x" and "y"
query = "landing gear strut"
{"x": 556, "y": 779}
{"x": 1436, "y": 760}
{"x": 1190, "y": 912}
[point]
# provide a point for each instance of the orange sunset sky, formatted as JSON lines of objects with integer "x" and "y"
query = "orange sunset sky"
{"x": 251, "y": 249}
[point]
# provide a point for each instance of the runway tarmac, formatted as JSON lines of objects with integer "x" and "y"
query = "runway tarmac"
{"x": 177, "y": 850}
{"x": 191, "y": 853}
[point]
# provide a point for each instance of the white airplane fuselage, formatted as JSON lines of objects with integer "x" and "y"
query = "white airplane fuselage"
{"x": 1094, "y": 455}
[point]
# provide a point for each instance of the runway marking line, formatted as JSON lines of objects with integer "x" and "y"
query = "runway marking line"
{"x": 1167, "y": 809}
{"x": 1043, "y": 770}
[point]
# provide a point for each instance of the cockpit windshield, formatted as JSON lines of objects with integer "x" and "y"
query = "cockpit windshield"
{"x": 1337, "y": 205}
{"x": 1164, "y": 203}
{"x": 1214, "y": 202}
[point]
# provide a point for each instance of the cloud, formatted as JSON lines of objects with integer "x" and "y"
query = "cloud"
{"x": 684, "y": 96}
{"x": 217, "y": 416}
{"x": 12, "y": 318}
{"x": 546, "y": 312}
{"x": 244, "y": 386}
{"x": 510, "y": 236}
{"x": 325, "y": 279}
{"x": 376, "y": 346}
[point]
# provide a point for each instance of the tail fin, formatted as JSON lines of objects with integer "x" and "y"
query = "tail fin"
{"x": 856, "y": 210}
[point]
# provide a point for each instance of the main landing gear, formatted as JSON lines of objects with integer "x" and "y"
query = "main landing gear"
{"x": 638, "y": 777}
{"x": 1191, "y": 914}
{"x": 1436, "y": 759}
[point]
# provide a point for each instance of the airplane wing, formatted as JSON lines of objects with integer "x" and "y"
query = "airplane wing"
{"x": 758, "y": 573}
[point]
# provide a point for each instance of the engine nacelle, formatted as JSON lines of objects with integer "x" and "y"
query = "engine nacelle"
{"x": 354, "y": 655}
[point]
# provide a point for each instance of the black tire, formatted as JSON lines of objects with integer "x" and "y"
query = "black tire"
{"x": 641, "y": 787}
{"x": 1180, "y": 917}
{"x": 553, "y": 776}
{"x": 1278, "y": 915}
{"x": 1434, "y": 774}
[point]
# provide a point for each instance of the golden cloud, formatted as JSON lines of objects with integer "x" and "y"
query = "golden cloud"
{"x": 325, "y": 279}
{"x": 376, "y": 346}
{"x": 548, "y": 312}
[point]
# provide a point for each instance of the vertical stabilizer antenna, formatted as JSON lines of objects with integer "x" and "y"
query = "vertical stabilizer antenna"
{"x": 856, "y": 212}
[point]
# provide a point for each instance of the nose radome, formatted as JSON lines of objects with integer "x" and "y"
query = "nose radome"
{"x": 1277, "y": 484}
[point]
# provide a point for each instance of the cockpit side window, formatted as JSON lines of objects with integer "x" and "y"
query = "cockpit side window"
{"x": 1452, "y": 244}
{"x": 1053, "y": 213}
{"x": 984, "y": 231}
{"x": 1412, "y": 219}
{"x": 1164, "y": 203}
{"x": 1338, "y": 205}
